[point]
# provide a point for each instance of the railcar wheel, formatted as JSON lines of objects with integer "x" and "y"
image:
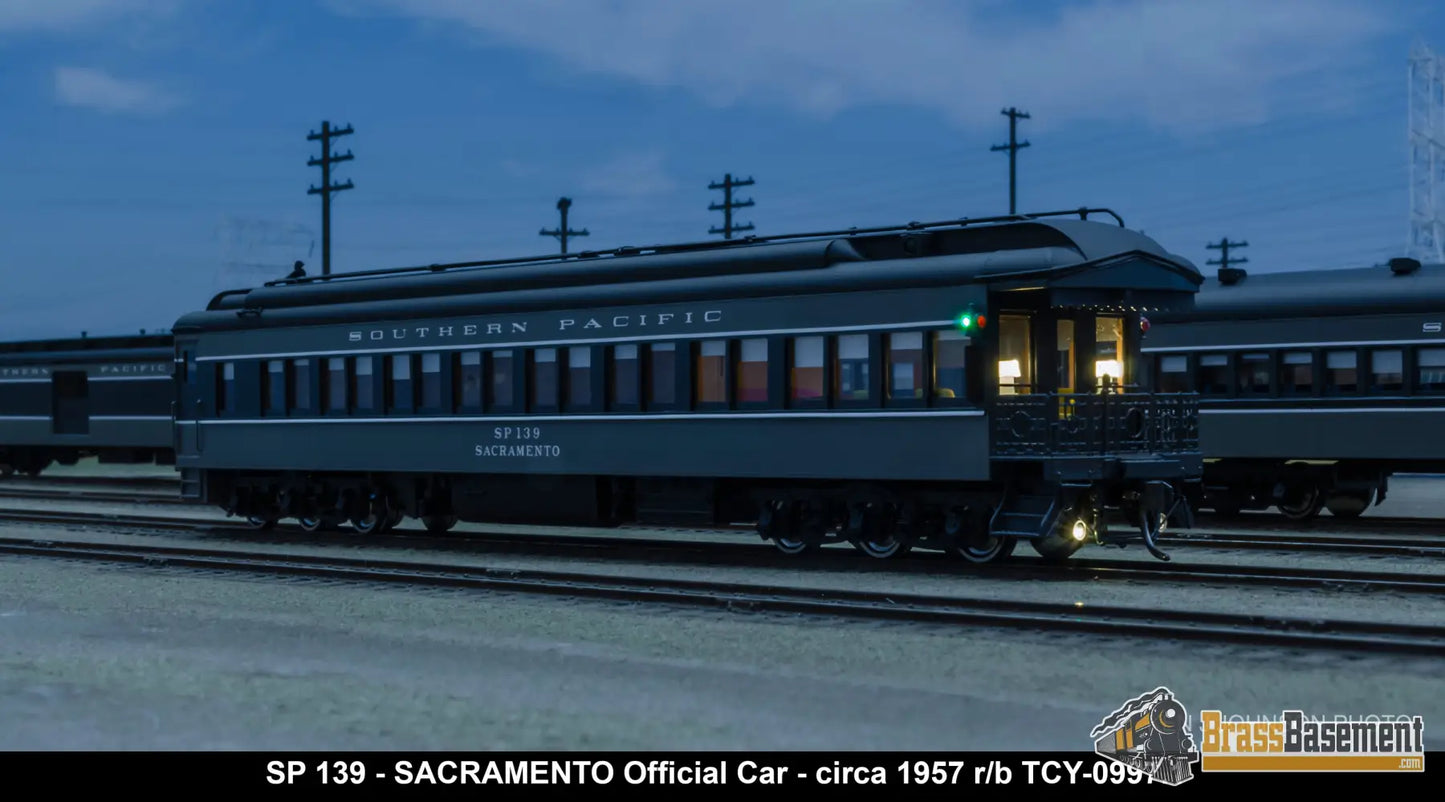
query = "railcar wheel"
{"x": 261, "y": 522}
{"x": 1349, "y": 504}
{"x": 795, "y": 545}
{"x": 986, "y": 550}
{"x": 394, "y": 519}
{"x": 882, "y": 546}
{"x": 439, "y": 523}
{"x": 368, "y": 525}
{"x": 1303, "y": 507}
{"x": 1056, "y": 548}
{"x": 320, "y": 523}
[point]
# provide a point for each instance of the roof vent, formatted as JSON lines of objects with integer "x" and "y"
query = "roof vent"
{"x": 1231, "y": 275}
{"x": 1403, "y": 265}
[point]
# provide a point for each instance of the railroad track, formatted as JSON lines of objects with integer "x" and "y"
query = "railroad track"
{"x": 758, "y": 555}
{"x": 1116, "y": 621}
{"x": 87, "y": 494}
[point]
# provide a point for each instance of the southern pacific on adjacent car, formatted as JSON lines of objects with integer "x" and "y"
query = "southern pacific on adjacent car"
{"x": 1315, "y": 386}
{"x": 104, "y": 397}
{"x": 954, "y": 386}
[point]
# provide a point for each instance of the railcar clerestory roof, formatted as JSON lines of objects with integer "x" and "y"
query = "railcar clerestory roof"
{"x": 75, "y": 349}
{"x": 1403, "y": 285}
{"x": 1021, "y": 248}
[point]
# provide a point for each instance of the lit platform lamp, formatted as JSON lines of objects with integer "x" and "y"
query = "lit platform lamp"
{"x": 1009, "y": 369}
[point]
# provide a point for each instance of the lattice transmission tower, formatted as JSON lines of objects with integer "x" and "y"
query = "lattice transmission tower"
{"x": 1427, "y": 155}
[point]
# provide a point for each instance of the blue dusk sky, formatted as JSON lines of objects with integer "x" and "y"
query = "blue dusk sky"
{"x": 153, "y": 152}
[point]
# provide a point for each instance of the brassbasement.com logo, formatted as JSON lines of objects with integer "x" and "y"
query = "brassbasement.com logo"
{"x": 1295, "y": 742}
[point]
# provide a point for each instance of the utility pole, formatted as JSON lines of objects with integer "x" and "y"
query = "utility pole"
{"x": 1013, "y": 147}
{"x": 727, "y": 206}
{"x": 562, "y": 232}
{"x": 1223, "y": 246}
{"x": 327, "y": 159}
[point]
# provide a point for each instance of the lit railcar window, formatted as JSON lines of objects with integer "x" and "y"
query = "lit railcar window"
{"x": 1387, "y": 371}
{"x": 275, "y": 381}
{"x": 662, "y": 374}
{"x": 1341, "y": 372}
{"x": 1174, "y": 374}
{"x": 544, "y": 379}
{"x": 363, "y": 388}
{"x": 1253, "y": 372}
{"x": 1297, "y": 373}
{"x": 950, "y": 364}
{"x": 579, "y": 376}
{"x": 1109, "y": 340}
{"x": 301, "y": 384}
{"x": 851, "y": 382}
{"x": 753, "y": 371}
{"x": 807, "y": 373}
{"x": 503, "y": 380}
{"x": 1430, "y": 370}
{"x": 712, "y": 368}
{"x": 1015, "y": 356}
{"x": 468, "y": 390}
{"x": 336, "y": 384}
{"x": 226, "y": 389}
{"x": 625, "y": 376}
{"x": 431, "y": 380}
{"x": 905, "y": 364}
{"x": 1214, "y": 374}
{"x": 402, "y": 394}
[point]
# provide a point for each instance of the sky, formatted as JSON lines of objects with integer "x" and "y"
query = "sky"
{"x": 154, "y": 152}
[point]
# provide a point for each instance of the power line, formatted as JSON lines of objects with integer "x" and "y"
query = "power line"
{"x": 1223, "y": 246}
{"x": 327, "y": 188}
{"x": 727, "y": 206}
{"x": 562, "y": 232}
{"x": 1013, "y": 147}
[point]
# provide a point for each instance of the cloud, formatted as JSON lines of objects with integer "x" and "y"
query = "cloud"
{"x": 65, "y": 15}
{"x": 629, "y": 175}
{"x": 1169, "y": 63}
{"x": 96, "y": 89}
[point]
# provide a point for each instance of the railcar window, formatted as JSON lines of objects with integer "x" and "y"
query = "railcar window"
{"x": 1015, "y": 363}
{"x": 1174, "y": 374}
{"x": 852, "y": 368}
{"x": 364, "y": 387}
{"x": 1066, "y": 356}
{"x": 1109, "y": 348}
{"x": 226, "y": 389}
{"x": 807, "y": 373}
{"x": 468, "y": 390}
{"x": 1430, "y": 372}
{"x": 544, "y": 379}
{"x": 712, "y": 366}
{"x": 301, "y": 384}
{"x": 503, "y": 379}
{"x": 1387, "y": 371}
{"x": 1297, "y": 373}
{"x": 431, "y": 380}
{"x": 950, "y": 364}
{"x": 662, "y": 372}
{"x": 905, "y": 364}
{"x": 579, "y": 376}
{"x": 1214, "y": 374}
{"x": 753, "y": 371}
{"x": 336, "y": 384}
{"x": 1253, "y": 372}
{"x": 1341, "y": 373}
{"x": 624, "y": 375}
{"x": 401, "y": 389}
{"x": 275, "y": 391}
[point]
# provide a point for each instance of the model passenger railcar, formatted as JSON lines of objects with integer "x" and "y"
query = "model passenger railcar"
{"x": 104, "y": 397}
{"x": 956, "y": 386}
{"x": 1315, "y": 386}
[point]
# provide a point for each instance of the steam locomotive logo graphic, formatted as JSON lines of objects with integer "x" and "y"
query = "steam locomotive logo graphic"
{"x": 1150, "y": 733}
